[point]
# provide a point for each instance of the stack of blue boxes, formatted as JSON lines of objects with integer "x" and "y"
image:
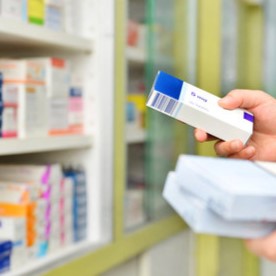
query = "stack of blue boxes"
{"x": 79, "y": 202}
{"x": 5, "y": 256}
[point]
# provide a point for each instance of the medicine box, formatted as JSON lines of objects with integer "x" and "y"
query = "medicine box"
{"x": 235, "y": 189}
{"x": 198, "y": 108}
{"x": 76, "y": 110}
{"x": 11, "y": 9}
{"x": 13, "y": 228}
{"x": 56, "y": 75}
{"x": 195, "y": 211}
{"x": 57, "y": 81}
{"x": 24, "y": 99}
{"x": 36, "y": 12}
{"x": 16, "y": 193}
{"x": 54, "y": 15}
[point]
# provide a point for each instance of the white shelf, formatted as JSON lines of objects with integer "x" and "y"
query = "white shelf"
{"x": 31, "y": 145}
{"x": 136, "y": 55}
{"x": 38, "y": 266}
{"x": 14, "y": 33}
{"x": 135, "y": 135}
{"x": 93, "y": 63}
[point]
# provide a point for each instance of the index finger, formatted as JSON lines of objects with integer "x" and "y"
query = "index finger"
{"x": 203, "y": 136}
{"x": 242, "y": 98}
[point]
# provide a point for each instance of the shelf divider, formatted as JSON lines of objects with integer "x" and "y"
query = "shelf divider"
{"x": 43, "y": 144}
{"x": 30, "y": 35}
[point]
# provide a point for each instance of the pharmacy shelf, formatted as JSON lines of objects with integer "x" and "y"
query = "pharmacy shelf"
{"x": 13, "y": 33}
{"x": 135, "y": 55}
{"x": 115, "y": 253}
{"x": 135, "y": 135}
{"x": 64, "y": 255}
{"x": 43, "y": 144}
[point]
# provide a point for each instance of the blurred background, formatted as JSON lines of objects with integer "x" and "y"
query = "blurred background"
{"x": 91, "y": 65}
{"x": 217, "y": 45}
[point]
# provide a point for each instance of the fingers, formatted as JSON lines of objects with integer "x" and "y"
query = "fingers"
{"x": 264, "y": 247}
{"x": 247, "y": 99}
{"x": 235, "y": 149}
{"x": 202, "y": 136}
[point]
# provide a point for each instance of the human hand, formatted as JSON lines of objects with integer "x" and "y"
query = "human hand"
{"x": 262, "y": 143}
{"x": 263, "y": 247}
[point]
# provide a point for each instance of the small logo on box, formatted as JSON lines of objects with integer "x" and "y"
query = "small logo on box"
{"x": 199, "y": 97}
{"x": 248, "y": 117}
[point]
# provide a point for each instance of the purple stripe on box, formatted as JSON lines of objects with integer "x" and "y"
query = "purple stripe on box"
{"x": 46, "y": 176}
{"x": 248, "y": 117}
{"x": 47, "y": 193}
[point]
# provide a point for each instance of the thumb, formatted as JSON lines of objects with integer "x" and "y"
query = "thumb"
{"x": 247, "y": 99}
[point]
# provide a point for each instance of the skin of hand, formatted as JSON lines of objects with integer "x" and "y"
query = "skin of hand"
{"x": 261, "y": 146}
{"x": 262, "y": 143}
{"x": 263, "y": 247}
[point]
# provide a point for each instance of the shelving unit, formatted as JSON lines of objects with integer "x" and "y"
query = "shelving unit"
{"x": 93, "y": 58}
{"x": 135, "y": 187}
{"x": 19, "y": 34}
{"x": 101, "y": 150}
{"x": 58, "y": 258}
{"x": 91, "y": 150}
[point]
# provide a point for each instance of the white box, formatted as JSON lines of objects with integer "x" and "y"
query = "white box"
{"x": 46, "y": 177}
{"x": 21, "y": 71}
{"x": 31, "y": 119}
{"x": 56, "y": 75}
{"x": 19, "y": 257}
{"x": 18, "y": 192}
{"x": 13, "y": 228}
{"x": 54, "y": 14}
{"x": 24, "y": 99}
{"x": 58, "y": 115}
{"x": 134, "y": 207}
{"x": 80, "y": 17}
{"x": 201, "y": 219}
{"x": 40, "y": 174}
{"x": 12, "y": 9}
{"x": 199, "y": 109}
{"x": 235, "y": 189}
{"x": 9, "y": 122}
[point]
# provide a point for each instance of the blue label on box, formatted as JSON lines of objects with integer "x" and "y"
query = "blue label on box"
{"x": 75, "y": 92}
{"x": 42, "y": 249}
{"x": 168, "y": 85}
{"x": 5, "y": 246}
{"x": 5, "y": 262}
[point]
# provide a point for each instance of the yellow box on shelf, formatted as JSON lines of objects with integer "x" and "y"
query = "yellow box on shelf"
{"x": 137, "y": 112}
{"x": 139, "y": 100}
{"x": 36, "y": 11}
